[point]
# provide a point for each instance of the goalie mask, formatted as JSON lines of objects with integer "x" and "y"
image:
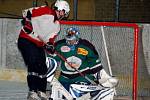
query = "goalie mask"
{"x": 62, "y": 5}
{"x": 72, "y": 36}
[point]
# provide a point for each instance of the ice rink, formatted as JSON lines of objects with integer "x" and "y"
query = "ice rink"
{"x": 11, "y": 90}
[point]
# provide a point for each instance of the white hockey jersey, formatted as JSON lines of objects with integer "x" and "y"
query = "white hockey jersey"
{"x": 44, "y": 24}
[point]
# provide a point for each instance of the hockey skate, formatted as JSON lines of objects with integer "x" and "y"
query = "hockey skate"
{"x": 42, "y": 95}
{"x": 33, "y": 96}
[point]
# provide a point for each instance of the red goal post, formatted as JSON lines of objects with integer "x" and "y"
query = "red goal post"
{"x": 134, "y": 26}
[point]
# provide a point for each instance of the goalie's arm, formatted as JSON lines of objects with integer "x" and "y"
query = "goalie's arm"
{"x": 93, "y": 59}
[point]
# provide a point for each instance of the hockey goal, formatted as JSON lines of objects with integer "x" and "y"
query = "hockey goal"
{"x": 117, "y": 45}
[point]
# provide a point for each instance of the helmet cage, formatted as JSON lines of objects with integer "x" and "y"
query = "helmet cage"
{"x": 72, "y": 34}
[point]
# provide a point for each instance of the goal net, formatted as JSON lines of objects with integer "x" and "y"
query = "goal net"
{"x": 117, "y": 45}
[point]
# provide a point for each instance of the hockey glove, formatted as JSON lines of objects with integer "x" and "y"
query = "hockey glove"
{"x": 27, "y": 26}
{"x": 50, "y": 48}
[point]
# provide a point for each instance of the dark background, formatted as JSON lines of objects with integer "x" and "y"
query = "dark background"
{"x": 137, "y": 11}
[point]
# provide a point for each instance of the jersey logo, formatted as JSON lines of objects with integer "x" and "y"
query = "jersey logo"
{"x": 65, "y": 49}
{"x": 82, "y": 51}
{"x": 74, "y": 61}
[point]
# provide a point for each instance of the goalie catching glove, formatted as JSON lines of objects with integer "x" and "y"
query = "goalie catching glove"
{"x": 105, "y": 80}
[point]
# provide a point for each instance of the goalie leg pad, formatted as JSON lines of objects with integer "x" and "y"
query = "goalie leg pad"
{"x": 52, "y": 66}
{"x": 104, "y": 94}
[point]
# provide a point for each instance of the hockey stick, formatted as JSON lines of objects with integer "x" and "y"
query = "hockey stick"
{"x": 81, "y": 74}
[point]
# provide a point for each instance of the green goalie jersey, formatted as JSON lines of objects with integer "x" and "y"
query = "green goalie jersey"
{"x": 82, "y": 56}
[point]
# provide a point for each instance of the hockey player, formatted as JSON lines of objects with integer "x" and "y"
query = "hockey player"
{"x": 79, "y": 59}
{"x": 40, "y": 27}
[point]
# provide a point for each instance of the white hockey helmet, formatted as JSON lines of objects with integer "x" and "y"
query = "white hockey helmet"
{"x": 62, "y": 5}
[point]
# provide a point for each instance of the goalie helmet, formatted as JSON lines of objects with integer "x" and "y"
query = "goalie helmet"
{"x": 62, "y": 5}
{"x": 72, "y": 34}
